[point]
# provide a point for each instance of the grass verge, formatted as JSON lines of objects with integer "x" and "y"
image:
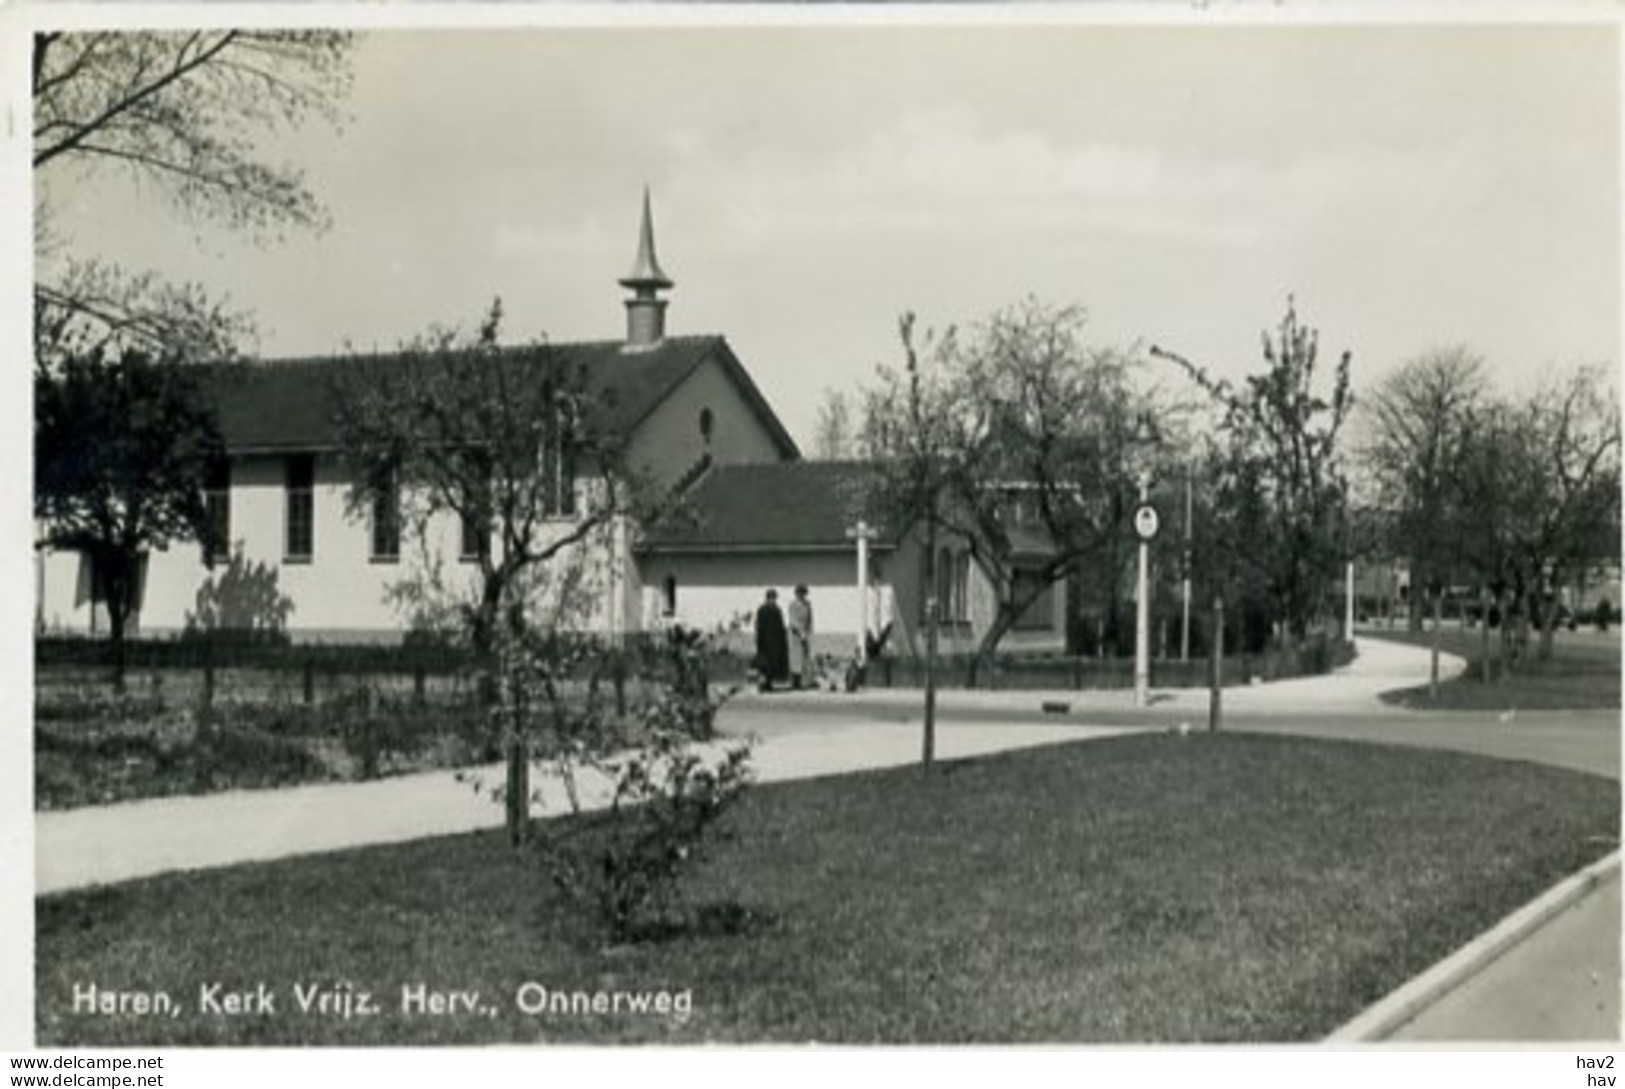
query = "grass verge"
{"x": 1146, "y": 888}
{"x": 1583, "y": 673}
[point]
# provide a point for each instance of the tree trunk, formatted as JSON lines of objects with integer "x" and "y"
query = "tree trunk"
{"x": 1413, "y": 618}
{"x": 1003, "y": 620}
{"x": 1503, "y": 603}
{"x": 1548, "y": 623}
{"x": 1215, "y": 706}
{"x": 1433, "y": 645}
{"x": 933, "y": 608}
{"x": 1484, "y": 636}
{"x": 118, "y": 597}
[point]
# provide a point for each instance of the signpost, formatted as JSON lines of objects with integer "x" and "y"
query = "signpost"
{"x": 1146, "y": 523}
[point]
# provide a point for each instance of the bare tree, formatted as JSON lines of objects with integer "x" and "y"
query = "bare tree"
{"x": 915, "y": 434}
{"x": 833, "y": 435}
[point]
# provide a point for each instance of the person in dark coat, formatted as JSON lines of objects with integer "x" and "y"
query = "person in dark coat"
{"x": 772, "y": 644}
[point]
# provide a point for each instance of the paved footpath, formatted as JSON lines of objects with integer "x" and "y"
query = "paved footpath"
{"x": 105, "y": 844}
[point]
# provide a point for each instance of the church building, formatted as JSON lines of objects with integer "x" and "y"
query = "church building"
{"x": 757, "y": 516}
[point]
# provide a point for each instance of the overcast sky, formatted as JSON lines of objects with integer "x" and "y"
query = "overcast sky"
{"x": 1412, "y": 186}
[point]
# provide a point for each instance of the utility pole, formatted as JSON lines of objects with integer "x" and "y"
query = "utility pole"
{"x": 928, "y": 742}
{"x": 1215, "y": 708}
{"x": 1433, "y": 641}
{"x": 1185, "y": 583}
{"x": 862, "y": 532}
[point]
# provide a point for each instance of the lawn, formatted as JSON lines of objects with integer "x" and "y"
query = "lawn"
{"x": 1145, "y": 888}
{"x": 1583, "y": 673}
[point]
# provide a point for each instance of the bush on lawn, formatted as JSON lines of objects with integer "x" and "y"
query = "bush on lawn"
{"x": 622, "y": 866}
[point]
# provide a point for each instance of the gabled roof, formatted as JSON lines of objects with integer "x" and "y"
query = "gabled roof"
{"x": 287, "y": 404}
{"x": 779, "y": 506}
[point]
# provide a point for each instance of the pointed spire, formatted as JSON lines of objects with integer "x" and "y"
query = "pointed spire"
{"x": 646, "y": 310}
{"x": 646, "y": 272}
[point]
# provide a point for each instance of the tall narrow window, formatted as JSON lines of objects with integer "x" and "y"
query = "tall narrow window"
{"x": 949, "y": 608}
{"x": 474, "y": 523}
{"x": 217, "y": 512}
{"x": 962, "y": 587}
{"x": 300, "y": 520}
{"x": 386, "y": 519}
{"x": 668, "y": 604}
{"x": 558, "y": 466}
{"x": 473, "y": 538}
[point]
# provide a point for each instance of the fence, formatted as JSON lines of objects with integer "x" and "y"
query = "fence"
{"x": 1059, "y": 671}
{"x": 314, "y": 672}
{"x": 205, "y": 667}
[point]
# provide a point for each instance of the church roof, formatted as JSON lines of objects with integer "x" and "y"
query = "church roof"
{"x": 288, "y": 404}
{"x": 770, "y": 506}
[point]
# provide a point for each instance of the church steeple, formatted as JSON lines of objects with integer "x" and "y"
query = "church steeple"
{"x": 646, "y": 310}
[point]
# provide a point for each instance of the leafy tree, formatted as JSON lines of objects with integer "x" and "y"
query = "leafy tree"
{"x": 180, "y": 111}
{"x": 504, "y": 439}
{"x": 1416, "y": 425}
{"x": 1543, "y": 481}
{"x": 1283, "y": 470}
{"x": 122, "y": 448}
{"x": 507, "y": 443}
{"x": 1022, "y": 442}
{"x": 1416, "y": 422}
{"x": 1051, "y": 470}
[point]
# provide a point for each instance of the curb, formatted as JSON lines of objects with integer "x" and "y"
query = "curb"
{"x": 1398, "y": 1008}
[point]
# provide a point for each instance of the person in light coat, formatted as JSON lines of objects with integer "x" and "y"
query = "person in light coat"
{"x": 800, "y": 618}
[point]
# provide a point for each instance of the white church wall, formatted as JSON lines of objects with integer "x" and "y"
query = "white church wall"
{"x": 341, "y": 593}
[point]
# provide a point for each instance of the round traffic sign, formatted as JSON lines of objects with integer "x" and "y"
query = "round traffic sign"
{"x": 1146, "y": 521}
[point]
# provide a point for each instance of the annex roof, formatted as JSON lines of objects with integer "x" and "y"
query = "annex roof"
{"x": 780, "y": 506}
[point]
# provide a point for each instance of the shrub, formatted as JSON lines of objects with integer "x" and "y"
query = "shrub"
{"x": 624, "y": 865}
{"x": 664, "y": 787}
{"x": 225, "y": 759}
